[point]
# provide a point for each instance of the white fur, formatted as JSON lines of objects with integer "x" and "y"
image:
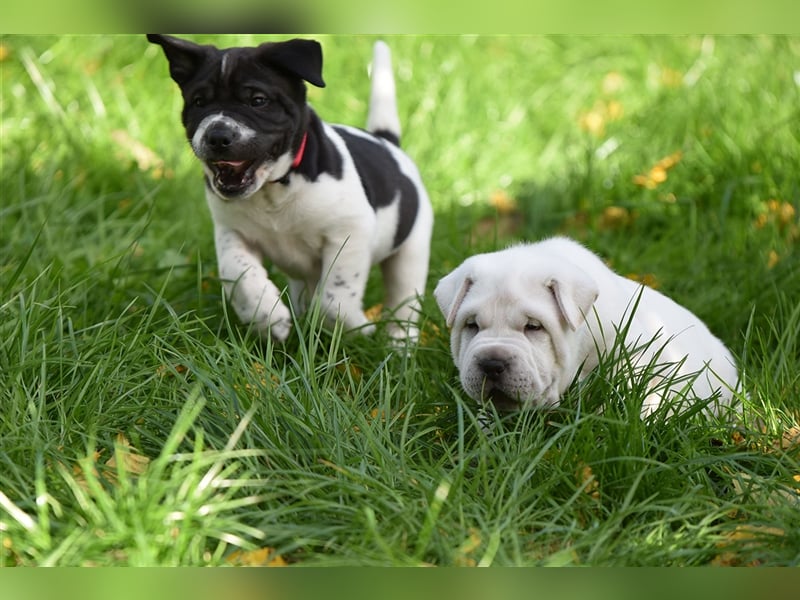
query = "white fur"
{"x": 244, "y": 132}
{"x": 548, "y": 311}
{"x": 325, "y": 236}
{"x": 383, "y": 103}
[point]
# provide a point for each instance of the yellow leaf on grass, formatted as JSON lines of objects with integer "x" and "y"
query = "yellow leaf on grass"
{"x": 644, "y": 181}
{"x": 429, "y": 335}
{"x": 588, "y": 481}
{"x": 779, "y": 214}
{"x": 259, "y": 368}
{"x": 504, "y": 203}
{"x": 671, "y": 78}
{"x": 615, "y": 217}
{"x": 613, "y": 82}
{"x": 647, "y": 279}
{"x": 594, "y": 122}
{"x": 463, "y": 556}
{"x": 790, "y": 440}
{"x": 595, "y": 119}
{"x": 262, "y": 557}
{"x": 163, "y": 370}
{"x": 783, "y": 211}
{"x": 134, "y": 463}
{"x": 379, "y": 413}
{"x": 144, "y": 157}
{"x": 745, "y": 485}
{"x": 373, "y": 313}
{"x": 670, "y": 161}
{"x": 744, "y": 537}
{"x": 614, "y": 111}
{"x": 658, "y": 172}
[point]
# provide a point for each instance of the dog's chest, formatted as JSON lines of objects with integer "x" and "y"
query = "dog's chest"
{"x": 289, "y": 235}
{"x": 292, "y": 225}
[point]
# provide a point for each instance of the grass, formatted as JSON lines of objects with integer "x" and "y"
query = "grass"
{"x": 673, "y": 157}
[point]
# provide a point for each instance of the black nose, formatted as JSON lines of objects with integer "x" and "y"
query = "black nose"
{"x": 493, "y": 368}
{"x": 220, "y": 137}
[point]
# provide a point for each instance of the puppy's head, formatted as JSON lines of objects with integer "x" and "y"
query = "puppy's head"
{"x": 244, "y": 108}
{"x": 513, "y": 317}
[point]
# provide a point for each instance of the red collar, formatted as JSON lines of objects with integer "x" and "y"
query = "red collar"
{"x": 299, "y": 156}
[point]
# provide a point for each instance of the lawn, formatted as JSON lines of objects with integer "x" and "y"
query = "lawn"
{"x": 141, "y": 424}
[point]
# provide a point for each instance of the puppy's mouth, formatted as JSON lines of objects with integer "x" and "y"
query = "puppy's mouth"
{"x": 233, "y": 177}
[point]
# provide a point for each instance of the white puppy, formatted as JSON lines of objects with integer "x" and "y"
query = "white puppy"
{"x": 525, "y": 321}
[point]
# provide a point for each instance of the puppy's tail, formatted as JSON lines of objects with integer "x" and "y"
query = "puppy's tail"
{"x": 383, "y": 120}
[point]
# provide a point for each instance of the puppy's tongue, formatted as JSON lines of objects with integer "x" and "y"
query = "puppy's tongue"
{"x": 228, "y": 169}
{"x": 235, "y": 165}
{"x": 231, "y": 173}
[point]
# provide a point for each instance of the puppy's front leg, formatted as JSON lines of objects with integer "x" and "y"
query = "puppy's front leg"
{"x": 345, "y": 269}
{"x": 255, "y": 299}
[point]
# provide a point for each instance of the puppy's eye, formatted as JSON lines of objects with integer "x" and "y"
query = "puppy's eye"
{"x": 258, "y": 101}
{"x": 533, "y": 326}
{"x": 471, "y": 325}
{"x": 199, "y": 101}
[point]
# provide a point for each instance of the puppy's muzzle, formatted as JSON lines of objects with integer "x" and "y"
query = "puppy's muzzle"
{"x": 224, "y": 141}
{"x": 493, "y": 369}
{"x": 235, "y": 153}
{"x": 219, "y": 138}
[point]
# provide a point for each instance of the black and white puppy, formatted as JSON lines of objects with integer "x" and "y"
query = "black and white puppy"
{"x": 321, "y": 202}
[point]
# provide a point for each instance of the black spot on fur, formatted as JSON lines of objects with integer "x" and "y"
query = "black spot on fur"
{"x": 382, "y": 180}
{"x": 387, "y": 135}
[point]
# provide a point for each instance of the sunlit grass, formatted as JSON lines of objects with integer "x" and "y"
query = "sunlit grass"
{"x": 675, "y": 158}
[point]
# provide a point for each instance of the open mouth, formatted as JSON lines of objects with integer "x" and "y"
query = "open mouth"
{"x": 233, "y": 177}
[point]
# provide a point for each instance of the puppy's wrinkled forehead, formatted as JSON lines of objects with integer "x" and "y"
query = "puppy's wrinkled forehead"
{"x": 498, "y": 300}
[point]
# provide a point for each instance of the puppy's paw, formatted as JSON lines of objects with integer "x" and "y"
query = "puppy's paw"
{"x": 367, "y": 329}
{"x": 274, "y": 322}
{"x": 353, "y": 320}
{"x": 257, "y": 303}
{"x": 358, "y": 326}
{"x": 402, "y": 332}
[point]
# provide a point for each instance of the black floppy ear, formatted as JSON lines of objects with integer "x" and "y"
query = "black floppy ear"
{"x": 184, "y": 57}
{"x": 299, "y": 57}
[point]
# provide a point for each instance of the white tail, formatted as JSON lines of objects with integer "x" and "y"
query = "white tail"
{"x": 383, "y": 119}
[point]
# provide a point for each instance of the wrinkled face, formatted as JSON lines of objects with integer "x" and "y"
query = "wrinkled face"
{"x": 514, "y": 322}
{"x": 244, "y": 108}
{"x": 503, "y": 347}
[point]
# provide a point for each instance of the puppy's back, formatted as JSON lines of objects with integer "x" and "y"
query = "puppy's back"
{"x": 681, "y": 337}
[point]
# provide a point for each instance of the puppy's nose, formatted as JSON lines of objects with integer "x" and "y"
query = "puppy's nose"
{"x": 220, "y": 137}
{"x": 493, "y": 368}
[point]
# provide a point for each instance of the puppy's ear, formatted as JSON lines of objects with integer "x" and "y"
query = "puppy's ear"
{"x": 184, "y": 57}
{"x": 302, "y": 58}
{"x": 575, "y": 294}
{"x": 450, "y": 293}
